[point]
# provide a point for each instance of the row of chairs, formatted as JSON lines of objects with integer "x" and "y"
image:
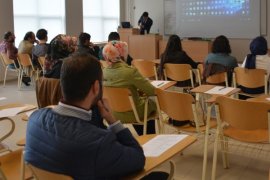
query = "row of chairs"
{"x": 25, "y": 67}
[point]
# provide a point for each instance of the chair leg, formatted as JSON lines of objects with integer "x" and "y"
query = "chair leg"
{"x": 215, "y": 156}
{"x": 22, "y": 166}
{"x": 172, "y": 170}
{"x": 5, "y": 76}
{"x": 145, "y": 117}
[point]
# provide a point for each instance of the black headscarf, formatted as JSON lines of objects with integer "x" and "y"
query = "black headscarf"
{"x": 258, "y": 46}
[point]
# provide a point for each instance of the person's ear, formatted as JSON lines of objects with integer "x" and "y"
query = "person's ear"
{"x": 96, "y": 88}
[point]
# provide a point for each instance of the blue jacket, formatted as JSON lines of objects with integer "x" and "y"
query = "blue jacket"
{"x": 77, "y": 148}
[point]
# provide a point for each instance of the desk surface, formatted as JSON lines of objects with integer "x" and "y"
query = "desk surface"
{"x": 152, "y": 162}
{"x": 167, "y": 85}
{"x": 204, "y": 88}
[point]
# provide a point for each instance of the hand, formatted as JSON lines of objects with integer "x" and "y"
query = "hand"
{"x": 105, "y": 111}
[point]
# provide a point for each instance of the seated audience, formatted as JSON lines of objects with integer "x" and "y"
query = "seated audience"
{"x": 86, "y": 46}
{"x": 119, "y": 74}
{"x": 27, "y": 44}
{"x": 175, "y": 54}
{"x": 221, "y": 51}
{"x": 7, "y": 46}
{"x": 65, "y": 139}
{"x": 59, "y": 48}
{"x": 40, "y": 50}
{"x": 257, "y": 59}
{"x": 114, "y": 36}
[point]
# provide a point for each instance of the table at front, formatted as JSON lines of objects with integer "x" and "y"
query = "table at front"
{"x": 152, "y": 162}
{"x": 210, "y": 103}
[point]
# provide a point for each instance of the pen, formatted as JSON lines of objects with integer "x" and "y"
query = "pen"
{"x": 160, "y": 84}
{"x": 222, "y": 88}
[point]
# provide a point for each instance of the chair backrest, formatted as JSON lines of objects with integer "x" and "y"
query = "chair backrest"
{"x": 178, "y": 72}
{"x": 5, "y": 60}
{"x": 146, "y": 68}
{"x": 25, "y": 60}
{"x": 48, "y": 92}
{"x": 41, "y": 61}
{"x": 219, "y": 78}
{"x": 11, "y": 166}
{"x": 244, "y": 115}
{"x": 176, "y": 105}
{"x": 118, "y": 98}
{"x": 41, "y": 174}
{"x": 250, "y": 78}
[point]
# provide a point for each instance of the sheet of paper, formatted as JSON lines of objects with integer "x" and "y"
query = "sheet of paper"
{"x": 161, "y": 143}
{"x": 220, "y": 90}
{"x": 11, "y": 111}
{"x": 2, "y": 98}
{"x": 268, "y": 99}
{"x": 159, "y": 84}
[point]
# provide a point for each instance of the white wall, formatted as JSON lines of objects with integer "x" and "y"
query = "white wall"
{"x": 240, "y": 47}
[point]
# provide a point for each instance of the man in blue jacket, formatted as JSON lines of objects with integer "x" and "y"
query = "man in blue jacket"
{"x": 66, "y": 140}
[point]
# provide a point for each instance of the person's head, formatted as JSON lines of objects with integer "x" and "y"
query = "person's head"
{"x": 115, "y": 51}
{"x": 258, "y": 46}
{"x": 30, "y": 36}
{"x": 221, "y": 44}
{"x": 42, "y": 34}
{"x": 145, "y": 14}
{"x": 114, "y": 36}
{"x": 9, "y": 37}
{"x": 61, "y": 46}
{"x": 174, "y": 44}
{"x": 84, "y": 39}
{"x": 87, "y": 69}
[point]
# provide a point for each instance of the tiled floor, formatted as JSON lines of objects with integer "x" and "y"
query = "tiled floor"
{"x": 246, "y": 165}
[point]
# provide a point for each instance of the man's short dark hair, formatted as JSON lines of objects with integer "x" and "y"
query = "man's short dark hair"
{"x": 28, "y": 35}
{"x": 145, "y": 14}
{"x": 113, "y": 36}
{"x": 42, "y": 34}
{"x": 84, "y": 37}
{"x": 78, "y": 74}
{"x": 7, "y": 35}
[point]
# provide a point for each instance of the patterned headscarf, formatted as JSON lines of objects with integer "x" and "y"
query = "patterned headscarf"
{"x": 258, "y": 46}
{"x": 61, "y": 46}
{"x": 115, "y": 51}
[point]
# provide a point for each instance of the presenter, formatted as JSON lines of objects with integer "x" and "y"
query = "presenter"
{"x": 145, "y": 23}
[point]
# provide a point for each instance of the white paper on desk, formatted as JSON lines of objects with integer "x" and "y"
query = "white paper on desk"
{"x": 159, "y": 84}
{"x": 2, "y": 98}
{"x": 220, "y": 90}
{"x": 161, "y": 143}
{"x": 11, "y": 111}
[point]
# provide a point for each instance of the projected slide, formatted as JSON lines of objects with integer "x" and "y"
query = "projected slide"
{"x": 210, "y": 18}
{"x": 216, "y": 8}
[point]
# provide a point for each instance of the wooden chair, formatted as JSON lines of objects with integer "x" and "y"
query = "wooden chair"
{"x": 250, "y": 78}
{"x": 199, "y": 72}
{"x": 217, "y": 79}
{"x": 120, "y": 100}
{"x": 244, "y": 121}
{"x": 3, "y": 147}
{"x": 12, "y": 166}
{"x": 41, "y": 61}
{"x": 179, "y": 72}
{"x": 41, "y": 174}
{"x": 179, "y": 106}
{"x": 48, "y": 92}
{"x": 27, "y": 66}
{"x": 146, "y": 68}
{"x": 6, "y": 62}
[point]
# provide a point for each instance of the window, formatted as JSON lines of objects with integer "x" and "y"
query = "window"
{"x": 100, "y": 17}
{"x": 31, "y": 15}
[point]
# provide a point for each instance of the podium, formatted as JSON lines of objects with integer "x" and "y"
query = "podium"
{"x": 144, "y": 46}
{"x": 196, "y": 49}
{"x": 126, "y": 32}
